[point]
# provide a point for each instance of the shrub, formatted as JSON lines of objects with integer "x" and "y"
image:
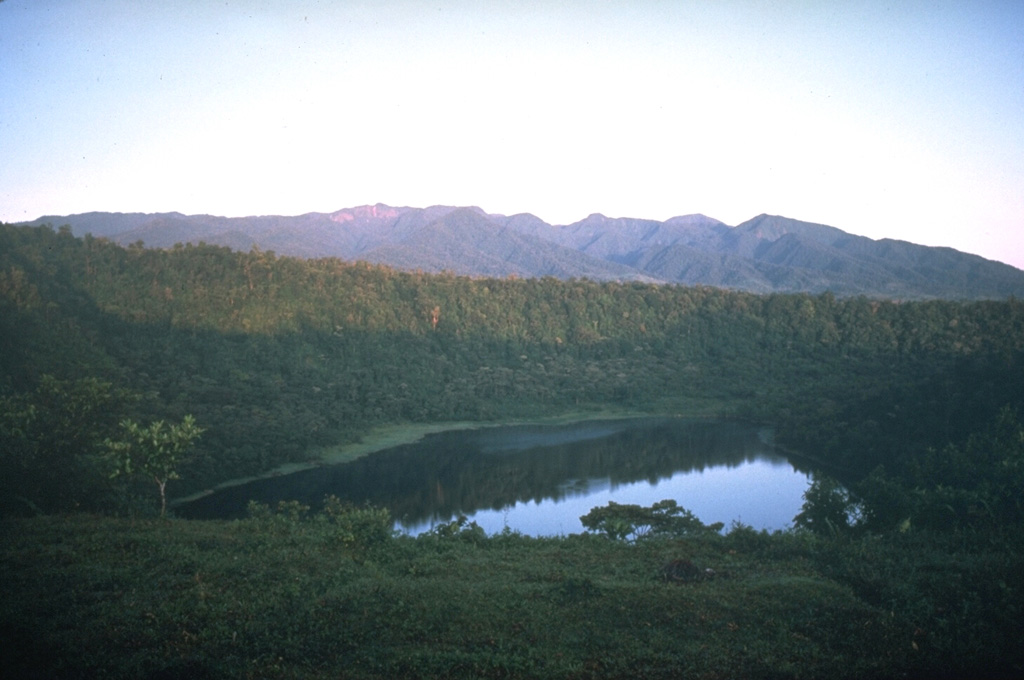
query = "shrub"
{"x": 356, "y": 528}
{"x": 633, "y": 522}
{"x": 828, "y": 508}
{"x": 460, "y": 529}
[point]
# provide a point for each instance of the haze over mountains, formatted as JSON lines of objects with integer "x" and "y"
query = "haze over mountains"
{"x": 765, "y": 254}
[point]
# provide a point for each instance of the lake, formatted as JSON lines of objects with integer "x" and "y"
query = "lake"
{"x": 539, "y": 480}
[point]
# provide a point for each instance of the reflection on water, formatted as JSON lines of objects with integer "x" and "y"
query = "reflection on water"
{"x": 540, "y": 480}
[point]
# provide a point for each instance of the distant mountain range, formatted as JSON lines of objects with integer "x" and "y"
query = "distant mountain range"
{"x": 764, "y": 254}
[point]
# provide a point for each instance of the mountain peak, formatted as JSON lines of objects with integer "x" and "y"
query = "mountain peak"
{"x": 694, "y": 218}
{"x": 772, "y": 227}
{"x": 378, "y": 211}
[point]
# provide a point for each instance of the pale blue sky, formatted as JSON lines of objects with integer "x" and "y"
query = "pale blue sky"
{"x": 888, "y": 119}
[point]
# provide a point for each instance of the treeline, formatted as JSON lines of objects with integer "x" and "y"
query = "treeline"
{"x": 276, "y": 356}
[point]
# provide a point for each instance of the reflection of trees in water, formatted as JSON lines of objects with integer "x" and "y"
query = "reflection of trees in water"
{"x": 462, "y": 472}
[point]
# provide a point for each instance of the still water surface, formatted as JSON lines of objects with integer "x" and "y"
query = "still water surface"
{"x": 539, "y": 480}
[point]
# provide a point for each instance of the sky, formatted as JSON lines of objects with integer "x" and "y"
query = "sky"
{"x": 899, "y": 119}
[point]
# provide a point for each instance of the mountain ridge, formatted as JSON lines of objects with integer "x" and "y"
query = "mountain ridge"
{"x": 765, "y": 254}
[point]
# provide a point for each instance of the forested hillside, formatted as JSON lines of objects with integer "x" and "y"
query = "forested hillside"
{"x": 277, "y": 356}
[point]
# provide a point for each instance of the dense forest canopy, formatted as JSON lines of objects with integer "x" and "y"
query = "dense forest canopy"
{"x": 276, "y": 356}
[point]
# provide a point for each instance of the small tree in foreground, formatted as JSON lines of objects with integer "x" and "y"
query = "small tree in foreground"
{"x": 153, "y": 452}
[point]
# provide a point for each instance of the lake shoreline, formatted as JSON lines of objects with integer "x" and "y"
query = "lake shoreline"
{"x": 538, "y": 479}
{"x": 398, "y": 434}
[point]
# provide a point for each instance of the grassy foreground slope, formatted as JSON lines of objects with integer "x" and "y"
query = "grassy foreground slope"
{"x": 274, "y": 597}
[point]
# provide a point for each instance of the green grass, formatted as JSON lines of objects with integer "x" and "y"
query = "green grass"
{"x": 87, "y": 597}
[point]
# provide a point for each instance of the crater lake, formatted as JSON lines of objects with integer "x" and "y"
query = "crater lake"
{"x": 540, "y": 479}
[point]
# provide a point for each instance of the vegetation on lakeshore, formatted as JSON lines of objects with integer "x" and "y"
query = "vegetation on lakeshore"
{"x": 286, "y": 596}
{"x": 916, "y": 407}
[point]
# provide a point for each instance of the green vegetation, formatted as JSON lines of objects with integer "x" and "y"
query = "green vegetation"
{"x": 665, "y": 518}
{"x": 153, "y": 452}
{"x": 51, "y": 441}
{"x": 287, "y": 595}
{"x": 908, "y": 566}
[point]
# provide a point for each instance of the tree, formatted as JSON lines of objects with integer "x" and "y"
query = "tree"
{"x": 49, "y": 439}
{"x": 153, "y": 452}
{"x": 828, "y": 508}
{"x": 664, "y": 518}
